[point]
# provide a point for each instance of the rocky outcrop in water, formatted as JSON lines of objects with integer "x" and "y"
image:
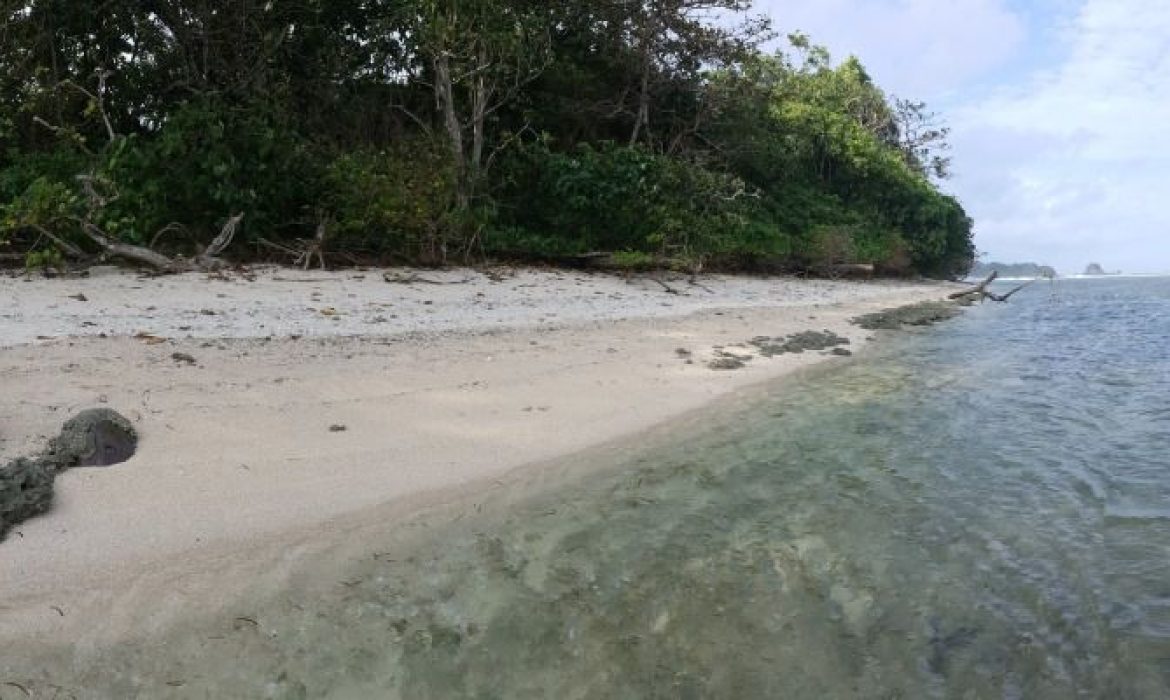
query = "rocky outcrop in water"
{"x": 93, "y": 438}
{"x": 922, "y": 314}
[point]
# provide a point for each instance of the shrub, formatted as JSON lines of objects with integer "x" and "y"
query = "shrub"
{"x": 44, "y": 205}
{"x": 395, "y": 202}
{"x": 208, "y": 161}
{"x": 614, "y": 198}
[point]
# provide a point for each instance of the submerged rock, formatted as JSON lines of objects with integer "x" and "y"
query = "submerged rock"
{"x": 93, "y": 438}
{"x": 921, "y": 314}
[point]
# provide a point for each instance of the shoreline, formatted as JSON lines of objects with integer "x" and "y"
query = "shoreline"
{"x": 238, "y": 470}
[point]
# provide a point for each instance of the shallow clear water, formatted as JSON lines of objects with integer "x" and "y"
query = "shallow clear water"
{"x": 981, "y": 509}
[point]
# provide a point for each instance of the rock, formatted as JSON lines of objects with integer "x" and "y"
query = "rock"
{"x": 798, "y": 342}
{"x": 726, "y": 362}
{"x": 26, "y": 489}
{"x": 921, "y": 314}
{"x": 96, "y": 437}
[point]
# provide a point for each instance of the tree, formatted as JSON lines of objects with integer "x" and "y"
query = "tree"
{"x": 422, "y": 129}
{"x": 922, "y": 138}
{"x": 477, "y": 58}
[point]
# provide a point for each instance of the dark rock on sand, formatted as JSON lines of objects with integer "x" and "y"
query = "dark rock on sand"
{"x": 96, "y": 437}
{"x": 93, "y": 438}
{"x": 725, "y": 362}
{"x": 26, "y": 489}
{"x": 921, "y": 314}
{"x": 798, "y": 342}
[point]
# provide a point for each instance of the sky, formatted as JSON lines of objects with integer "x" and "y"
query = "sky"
{"x": 1059, "y": 113}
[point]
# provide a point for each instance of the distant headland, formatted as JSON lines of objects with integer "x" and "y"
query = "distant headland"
{"x": 1025, "y": 269}
{"x": 1094, "y": 269}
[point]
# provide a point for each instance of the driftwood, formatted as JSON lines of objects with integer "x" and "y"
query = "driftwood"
{"x": 657, "y": 270}
{"x": 407, "y": 278}
{"x": 100, "y": 193}
{"x": 133, "y": 253}
{"x": 1004, "y": 297}
{"x": 206, "y": 260}
{"x": 979, "y": 292}
{"x": 314, "y": 247}
{"x": 303, "y": 256}
{"x": 394, "y": 277}
{"x": 850, "y": 270}
{"x": 63, "y": 245}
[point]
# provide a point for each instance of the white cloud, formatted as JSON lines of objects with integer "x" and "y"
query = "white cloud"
{"x": 915, "y": 48}
{"x": 1091, "y": 159}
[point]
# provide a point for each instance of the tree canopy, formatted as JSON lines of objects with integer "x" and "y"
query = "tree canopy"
{"x": 435, "y": 131}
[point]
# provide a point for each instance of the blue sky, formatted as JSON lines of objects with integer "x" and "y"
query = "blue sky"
{"x": 1059, "y": 110}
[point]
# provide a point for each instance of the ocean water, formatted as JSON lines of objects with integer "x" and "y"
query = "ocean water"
{"x": 976, "y": 510}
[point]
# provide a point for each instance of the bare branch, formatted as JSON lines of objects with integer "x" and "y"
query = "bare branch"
{"x": 65, "y": 246}
{"x": 63, "y": 133}
{"x": 224, "y": 239}
{"x": 173, "y": 226}
{"x": 98, "y": 99}
{"x": 1005, "y": 297}
{"x": 977, "y": 290}
{"x": 135, "y": 253}
{"x": 414, "y": 118}
{"x": 509, "y": 139}
{"x": 314, "y": 247}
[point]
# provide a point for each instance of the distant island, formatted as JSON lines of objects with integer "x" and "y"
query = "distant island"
{"x": 1096, "y": 269}
{"x": 1025, "y": 269}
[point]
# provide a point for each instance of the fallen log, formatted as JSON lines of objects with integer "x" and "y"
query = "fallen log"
{"x": 977, "y": 290}
{"x": 394, "y": 277}
{"x": 863, "y": 270}
{"x": 127, "y": 251}
{"x": 1004, "y": 297}
{"x": 206, "y": 260}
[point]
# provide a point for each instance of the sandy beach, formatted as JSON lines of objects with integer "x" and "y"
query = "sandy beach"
{"x": 305, "y": 402}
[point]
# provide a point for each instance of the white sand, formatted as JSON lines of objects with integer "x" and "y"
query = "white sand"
{"x": 438, "y": 386}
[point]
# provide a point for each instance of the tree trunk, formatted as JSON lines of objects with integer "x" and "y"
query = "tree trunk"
{"x": 445, "y": 96}
{"x": 479, "y": 106}
{"x": 642, "y": 118}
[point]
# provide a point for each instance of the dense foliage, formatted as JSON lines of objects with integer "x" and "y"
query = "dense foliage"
{"x": 443, "y": 130}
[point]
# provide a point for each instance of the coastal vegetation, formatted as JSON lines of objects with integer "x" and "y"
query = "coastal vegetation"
{"x": 439, "y": 131}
